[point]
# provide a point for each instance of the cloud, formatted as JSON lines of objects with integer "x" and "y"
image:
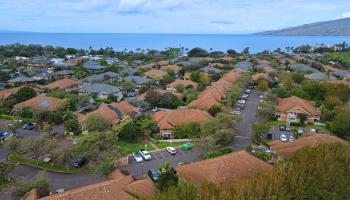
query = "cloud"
{"x": 344, "y": 15}
{"x": 222, "y": 22}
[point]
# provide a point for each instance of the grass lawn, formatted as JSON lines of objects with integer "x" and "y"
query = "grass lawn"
{"x": 323, "y": 129}
{"x": 162, "y": 145}
{"x": 276, "y": 123}
{"x": 46, "y": 166}
{"x": 130, "y": 147}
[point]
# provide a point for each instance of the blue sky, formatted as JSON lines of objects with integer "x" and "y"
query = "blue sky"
{"x": 165, "y": 16}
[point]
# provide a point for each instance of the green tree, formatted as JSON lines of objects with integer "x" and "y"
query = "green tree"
{"x": 24, "y": 94}
{"x": 260, "y": 130}
{"x": 214, "y": 110}
{"x": 180, "y": 88}
{"x": 183, "y": 191}
{"x": 189, "y": 130}
{"x": 72, "y": 125}
{"x": 167, "y": 177}
{"x": 148, "y": 126}
{"x": 26, "y": 112}
{"x": 263, "y": 85}
{"x": 341, "y": 125}
{"x": 197, "y": 52}
{"x": 152, "y": 97}
{"x": 96, "y": 123}
{"x": 127, "y": 129}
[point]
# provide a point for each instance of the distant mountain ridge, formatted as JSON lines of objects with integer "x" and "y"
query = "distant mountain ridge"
{"x": 339, "y": 27}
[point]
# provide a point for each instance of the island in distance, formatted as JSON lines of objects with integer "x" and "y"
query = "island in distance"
{"x": 339, "y": 27}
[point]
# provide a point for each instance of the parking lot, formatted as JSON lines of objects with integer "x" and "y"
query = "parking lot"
{"x": 276, "y": 133}
{"x": 158, "y": 158}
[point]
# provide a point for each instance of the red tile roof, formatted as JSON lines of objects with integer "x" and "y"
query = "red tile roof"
{"x": 121, "y": 187}
{"x": 174, "y": 68}
{"x": 297, "y": 105}
{"x": 287, "y": 149}
{"x": 5, "y": 94}
{"x": 155, "y": 73}
{"x": 180, "y": 95}
{"x": 41, "y": 103}
{"x": 63, "y": 84}
{"x": 172, "y": 118}
{"x": 223, "y": 169}
{"x": 216, "y": 92}
{"x": 110, "y": 115}
{"x": 183, "y": 82}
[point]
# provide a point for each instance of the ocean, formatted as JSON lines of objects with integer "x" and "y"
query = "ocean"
{"x": 121, "y": 41}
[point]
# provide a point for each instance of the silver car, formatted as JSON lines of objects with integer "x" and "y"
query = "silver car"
{"x": 137, "y": 156}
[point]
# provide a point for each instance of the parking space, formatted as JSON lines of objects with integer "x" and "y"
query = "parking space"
{"x": 276, "y": 133}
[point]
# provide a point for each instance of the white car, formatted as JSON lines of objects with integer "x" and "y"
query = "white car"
{"x": 155, "y": 109}
{"x": 283, "y": 138}
{"x": 247, "y": 91}
{"x": 145, "y": 155}
{"x": 261, "y": 97}
{"x": 137, "y": 156}
{"x": 291, "y": 138}
{"x": 171, "y": 150}
{"x": 241, "y": 101}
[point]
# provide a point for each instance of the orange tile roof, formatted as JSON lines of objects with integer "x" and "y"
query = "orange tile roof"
{"x": 171, "y": 67}
{"x": 223, "y": 169}
{"x": 41, "y": 103}
{"x": 218, "y": 65}
{"x": 269, "y": 70}
{"x": 63, "y": 84}
{"x": 5, "y": 94}
{"x": 258, "y": 76}
{"x": 172, "y": 118}
{"x": 329, "y": 68}
{"x": 183, "y": 82}
{"x": 163, "y": 62}
{"x": 155, "y": 73}
{"x": 143, "y": 95}
{"x": 216, "y": 92}
{"x": 297, "y": 105}
{"x": 289, "y": 148}
{"x": 125, "y": 107}
{"x": 227, "y": 58}
{"x": 122, "y": 187}
{"x": 108, "y": 114}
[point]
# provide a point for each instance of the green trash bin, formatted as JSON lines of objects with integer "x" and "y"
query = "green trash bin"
{"x": 187, "y": 146}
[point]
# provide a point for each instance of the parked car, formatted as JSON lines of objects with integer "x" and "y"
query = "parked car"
{"x": 236, "y": 111}
{"x": 137, "y": 156}
{"x": 269, "y": 136}
{"x": 155, "y": 109}
{"x": 291, "y": 138}
{"x": 282, "y": 128}
{"x": 4, "y": 135}
{"x": 261, "y": 97}
{"x": 241, "y": 101}
{"x": 28, "y": 126}
{"x": 145, "y": 155}
{"x": 153, "y": 174}
{"x": 283, "y": 138}
{"x": 244, "y": 96}
{"x": 171, "y": 150}
{"x": 47, "y": 160}
{"x": 300, "y": 130}
{"x": 78, "y": 162}
{"x": 247, "y": 91}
